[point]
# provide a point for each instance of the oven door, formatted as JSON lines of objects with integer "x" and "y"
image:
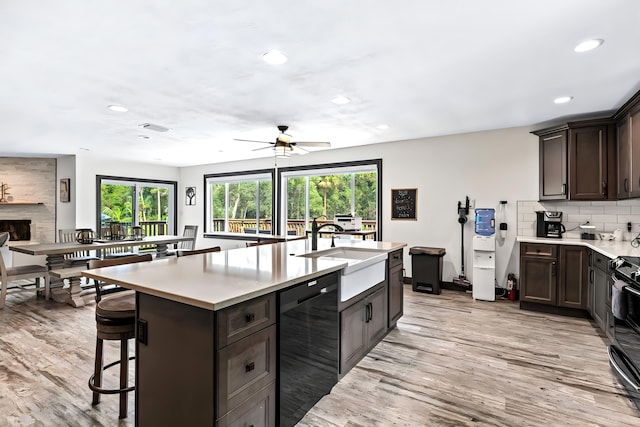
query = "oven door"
{"x": 624, "y": 354}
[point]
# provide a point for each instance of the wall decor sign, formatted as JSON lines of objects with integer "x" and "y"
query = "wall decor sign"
{"x": 65, "y": 190}
{"x": 403, "y": 203}
{"x": 190, "y": 196}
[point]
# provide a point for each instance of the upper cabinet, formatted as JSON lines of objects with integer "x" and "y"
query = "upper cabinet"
{"x": 628, "y": 141}
{"x": 577, "y": 161}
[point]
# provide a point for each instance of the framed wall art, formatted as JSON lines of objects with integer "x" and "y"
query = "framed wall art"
{"x": 190, "y": 196}
{"x": 403, "y": 203}
{"x": 65, "y": 190}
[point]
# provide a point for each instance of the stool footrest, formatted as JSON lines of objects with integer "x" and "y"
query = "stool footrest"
{"x": 100, "y": 390}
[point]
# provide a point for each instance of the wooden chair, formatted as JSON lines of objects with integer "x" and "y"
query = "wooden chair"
{"x": 115, "y": 320}
{"x": 189, "y": 245}
{"x": 23, "y": 272}
{"x": 182, "y": 252}
{"x": 78, "y": 258}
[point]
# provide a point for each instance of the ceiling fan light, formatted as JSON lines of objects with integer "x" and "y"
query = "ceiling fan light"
{"x": 282, "y": 151}
{"x": 283, "y": 137}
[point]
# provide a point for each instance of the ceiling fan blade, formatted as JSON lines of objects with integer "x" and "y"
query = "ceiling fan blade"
{"x": 252, "y": 140}
{"x": 298, "y": 149}
{"x": 313, "y": 144}
{"x": 262, "y": 148}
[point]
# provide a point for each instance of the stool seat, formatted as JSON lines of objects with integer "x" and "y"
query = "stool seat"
{"x": 117, "y": 306}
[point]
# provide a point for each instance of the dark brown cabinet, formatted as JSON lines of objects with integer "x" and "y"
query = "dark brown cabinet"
{"x": 577, "y": 162}
{"x": 362, "y": 325}
{"x": 628, "y": 139}
{"x": 223, "y": 362}
{"x": 600, "y": 283}
{"x": 554, "y": 275}
{"x": 395, "y": 287}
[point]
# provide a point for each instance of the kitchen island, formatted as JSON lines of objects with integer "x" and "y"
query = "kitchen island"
{"x": 206, "y": 344}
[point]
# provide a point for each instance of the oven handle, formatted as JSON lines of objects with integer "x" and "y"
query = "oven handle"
{"x": 611, "y": 349}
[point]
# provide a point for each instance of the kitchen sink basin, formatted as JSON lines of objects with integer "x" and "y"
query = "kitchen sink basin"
{"x": 365, "y": 268}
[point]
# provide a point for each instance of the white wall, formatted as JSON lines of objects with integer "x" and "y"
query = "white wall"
{"x": 66, "y": 212}
{"x": 487, "y": 166}
{"x": 88, "y": 166}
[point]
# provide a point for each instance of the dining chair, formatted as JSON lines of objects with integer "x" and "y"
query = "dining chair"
{"x": 78, "y": 258}
{"x": 184, "y": 252}
{"x": 18, "y": 275}
{"x": 115, "y": 320}
{"x": 189, "y": 245}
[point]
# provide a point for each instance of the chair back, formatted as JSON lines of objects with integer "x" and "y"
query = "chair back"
{"x": 103, "y": 288}
{"x": 68, "y": 235}
{"x": 182, "y": 252}
{"x": 189, "y": 231}
{"x": 4, "y": 238}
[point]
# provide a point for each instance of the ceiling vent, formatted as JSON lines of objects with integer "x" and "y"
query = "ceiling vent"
{"x": 156, "y": 128}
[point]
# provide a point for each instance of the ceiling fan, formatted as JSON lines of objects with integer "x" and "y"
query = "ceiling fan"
{"x": 283, "y": 146}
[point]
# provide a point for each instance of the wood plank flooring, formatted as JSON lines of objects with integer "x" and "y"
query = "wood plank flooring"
{"x": 452, "y": 361}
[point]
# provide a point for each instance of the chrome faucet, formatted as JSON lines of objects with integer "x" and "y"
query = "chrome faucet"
{"x": 314, "y": 232}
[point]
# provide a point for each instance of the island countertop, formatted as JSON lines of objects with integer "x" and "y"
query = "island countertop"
{"x": 217, "y": 280}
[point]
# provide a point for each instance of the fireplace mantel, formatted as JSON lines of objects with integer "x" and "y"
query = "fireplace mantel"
{"x": 21, "y": 203}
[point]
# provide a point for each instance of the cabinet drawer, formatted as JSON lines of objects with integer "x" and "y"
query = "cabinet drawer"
{"x": 245, "y": 367}
{"x": 258, "y": 411}
{"x": 600, "y": 261}
{"x": 395, "y": 258}
{"x": 538, "y": 249}
{"x": 242, "y": 320}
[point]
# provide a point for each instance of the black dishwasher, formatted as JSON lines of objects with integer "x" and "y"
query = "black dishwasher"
{"x": 308, "y": 346}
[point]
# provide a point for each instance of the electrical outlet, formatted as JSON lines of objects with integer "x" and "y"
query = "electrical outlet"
{"x": 472, "y": 203}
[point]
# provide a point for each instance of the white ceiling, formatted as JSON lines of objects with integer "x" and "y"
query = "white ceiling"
{"x": 424, "y": 67}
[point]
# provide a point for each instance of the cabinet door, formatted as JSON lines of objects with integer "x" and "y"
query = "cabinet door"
{"x": 553, "y": 166}
{"x": 634, "y": 131}
{"x": 538, "y": 279}
{"x": 588, "y": 163}
{"x": 600, "y": 299}
{"x": 395, "y": 295}
{"x": 572, "y": 285}
{"x": 377, "y": 322}
{"x": 353, "y": 339}
{"x": 624, "y": 159}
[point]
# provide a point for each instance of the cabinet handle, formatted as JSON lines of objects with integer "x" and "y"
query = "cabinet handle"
{"x": 366, "y": 313}
{"x": 604, "y": 188}
{"x": 564, "y": 189}
{"x": 250, "y": 317}
{"x": 591, "y": 276}
{"x": 553, "y": 268}
{"x": 249, "y": 367}
{"x": 626, "y": 185}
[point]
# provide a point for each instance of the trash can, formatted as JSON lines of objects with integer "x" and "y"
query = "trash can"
{"x": 426, "y": 269}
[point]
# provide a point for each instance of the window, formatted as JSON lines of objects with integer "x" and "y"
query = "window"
{"x": 324, "y": 191}
{"x": 240, "y": 203}
{"x": 147, "y": 203}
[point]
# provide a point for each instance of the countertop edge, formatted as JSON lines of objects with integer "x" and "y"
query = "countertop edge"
{"x": 610, "y": 249}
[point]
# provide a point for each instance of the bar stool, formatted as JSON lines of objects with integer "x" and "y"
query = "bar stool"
{"x": 115, "y": 320}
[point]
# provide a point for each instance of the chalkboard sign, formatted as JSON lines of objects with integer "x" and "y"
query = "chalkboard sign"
{"x": 403, "y": 203}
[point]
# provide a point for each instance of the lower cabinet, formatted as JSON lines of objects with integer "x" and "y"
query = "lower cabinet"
{"x": 600, "y": 282}
{"x": 554, "y": 275}
{"x": 362, "y": 325}
{"x": 199, "y": 367}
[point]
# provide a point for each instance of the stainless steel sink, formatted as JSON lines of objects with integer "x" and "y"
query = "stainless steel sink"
{"x": 365, "y": 268}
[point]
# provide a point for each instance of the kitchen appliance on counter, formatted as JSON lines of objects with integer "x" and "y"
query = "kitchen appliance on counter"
{"x": 588, "y": 232}
{"x": 348, "y": 222}
{"x": 549, "y": 224}
{"x": 624, "y": 352}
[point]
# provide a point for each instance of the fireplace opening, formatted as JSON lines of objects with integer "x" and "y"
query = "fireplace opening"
{"x": 19, "y": 229}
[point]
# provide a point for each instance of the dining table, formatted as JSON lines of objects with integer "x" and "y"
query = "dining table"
{"x": 56, "y": 252}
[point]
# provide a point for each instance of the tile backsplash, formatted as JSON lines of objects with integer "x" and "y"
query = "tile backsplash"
{"x": 605, "y": 216}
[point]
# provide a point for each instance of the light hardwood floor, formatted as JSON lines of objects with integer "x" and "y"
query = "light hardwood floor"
{"x": 452, "y": 361}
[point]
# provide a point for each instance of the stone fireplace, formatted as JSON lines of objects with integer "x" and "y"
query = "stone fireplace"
{"x": 19, "y": 229}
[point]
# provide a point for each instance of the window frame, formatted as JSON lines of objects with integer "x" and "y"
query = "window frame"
{"x": 172, "y": 226}
{"x": 328, "y": 169}
{"x": 232, "y": 177}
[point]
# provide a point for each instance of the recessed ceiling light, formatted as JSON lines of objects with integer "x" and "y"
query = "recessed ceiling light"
{"x": 588, "y": 45}
{"x": 383, "y": 127}
{"x": 563, "y": 99}
{"x": 274, "y": 57}
{"x": 340, "y": 100}
{"x": 143, "y": 137}
{"x": 118, "y": 108}
{"x": 85, "y": 149}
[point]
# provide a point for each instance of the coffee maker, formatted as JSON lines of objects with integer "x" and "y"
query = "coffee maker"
{"x": 549, "y": 224}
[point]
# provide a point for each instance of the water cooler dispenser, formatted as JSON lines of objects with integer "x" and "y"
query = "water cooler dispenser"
{"x": 484, "y": 255}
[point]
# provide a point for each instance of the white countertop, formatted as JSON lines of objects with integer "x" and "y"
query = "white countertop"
{"x": 217, "y": 280}
{"x": 609, "y": 248}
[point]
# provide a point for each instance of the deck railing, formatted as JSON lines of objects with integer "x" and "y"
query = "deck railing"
{"x": 294, "y": 227}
